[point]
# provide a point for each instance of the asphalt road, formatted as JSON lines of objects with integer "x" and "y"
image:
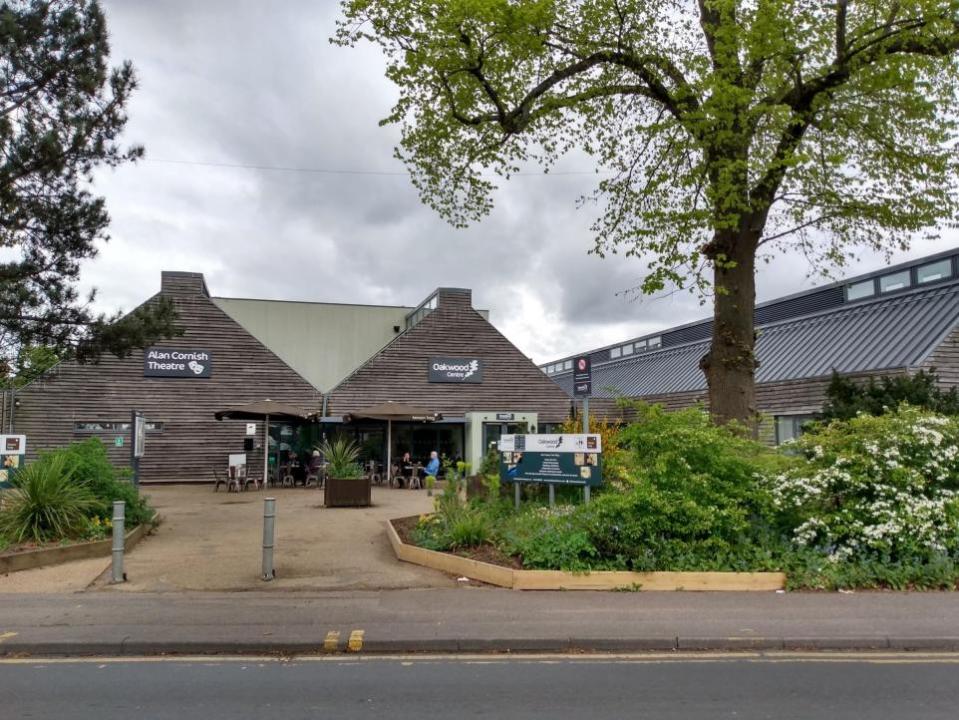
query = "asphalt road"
{"x": 780, "y": 687}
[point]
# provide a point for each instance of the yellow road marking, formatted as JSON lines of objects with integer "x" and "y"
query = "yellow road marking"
{"x": 332, "y": 641}
{"x": 355, "y": 643}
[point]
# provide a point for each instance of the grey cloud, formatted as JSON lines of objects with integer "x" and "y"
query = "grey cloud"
{"x": 252, "y": 83}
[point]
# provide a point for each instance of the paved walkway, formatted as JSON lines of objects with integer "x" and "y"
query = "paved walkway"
{"x": 212, "y": 541}
{"x": 474, "y": 619}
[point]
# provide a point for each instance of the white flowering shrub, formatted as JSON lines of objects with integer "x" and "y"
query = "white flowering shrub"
{"x": 875, "y": 487}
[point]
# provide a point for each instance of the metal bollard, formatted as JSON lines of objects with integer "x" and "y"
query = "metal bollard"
{"x": 118, "y": 518}
{"x": 269, "y": 527}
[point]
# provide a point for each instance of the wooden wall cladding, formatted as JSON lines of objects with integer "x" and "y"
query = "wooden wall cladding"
{"x": 511, "y": 382}
{"x": 191, "y": 441}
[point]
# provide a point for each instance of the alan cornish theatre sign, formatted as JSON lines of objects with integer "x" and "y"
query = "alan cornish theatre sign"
{"x": 176, "y": 362}
{"x": 455, "y": 370}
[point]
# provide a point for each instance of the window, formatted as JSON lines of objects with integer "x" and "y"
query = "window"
{"x": 790, "y": 427}
{"x": 931, "y": 272}
{"x": 107, "y": 426}
{"x": 655, "y": 342}
{"x": 415, "y": 317}
{"x": 895, "y": 281}
{"x": 551, "y": 369}
{"x": 859, "y": 290}
{"x": 627, "y": 349}
{"x": 615, "y": 353}
{"x": 640, "y": 346}
{"x": 568, "y": 365}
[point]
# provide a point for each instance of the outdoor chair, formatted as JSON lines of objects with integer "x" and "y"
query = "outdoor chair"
{"x": 286, "y": 473}
{"x": 315, "y": 476}
{"x": 247, "y": 480}
{"x": 416, "y": 483}
{"x": 233, "y": 484}
{"x": 218, "y": 480}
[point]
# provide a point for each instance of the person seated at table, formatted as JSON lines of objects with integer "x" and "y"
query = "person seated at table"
{"x": 405, "y": 467}
{"x": 432, "y": 468}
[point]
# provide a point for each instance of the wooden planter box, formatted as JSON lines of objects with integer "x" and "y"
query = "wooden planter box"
{"x": 41, "y": 557}
{"x": 347, "y": 492}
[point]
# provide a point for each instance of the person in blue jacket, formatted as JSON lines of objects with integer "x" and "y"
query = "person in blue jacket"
{"x": 432, "y": 468}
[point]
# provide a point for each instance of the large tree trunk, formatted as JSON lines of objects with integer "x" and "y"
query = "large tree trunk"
{"x": 730, "y": 364}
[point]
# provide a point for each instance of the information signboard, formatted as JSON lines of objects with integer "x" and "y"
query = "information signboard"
{"x": 582, "y": 376}
{"x": 568, "y": 459}
{"x": 12, "y": 451}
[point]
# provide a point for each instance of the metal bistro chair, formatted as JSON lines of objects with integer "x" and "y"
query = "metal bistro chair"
{"x": 233, "y": 483}
{"x": 246, "y": 480}
{"x": 218, "y": 480}
{"x": 286, "y": 476}
{"x": 375, "y": 471}
{"x": 315, "y": 475}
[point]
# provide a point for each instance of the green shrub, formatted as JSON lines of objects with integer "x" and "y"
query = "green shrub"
{"x": 548, "y": 538}
{"x": 875, "y": 487}
{"x": 107, "y": 483}
{"x": 468, "y": 529}
{"x": 846, "y": 399}
{"x": 47, "y": 503}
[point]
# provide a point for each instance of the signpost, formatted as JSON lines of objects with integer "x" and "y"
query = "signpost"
{"x": 583, "y": 387}
{"x": 138, "y": 430}
{"x": 569, "y": 459}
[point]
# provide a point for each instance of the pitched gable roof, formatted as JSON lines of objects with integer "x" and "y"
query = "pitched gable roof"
{"x": 399, "y": 372}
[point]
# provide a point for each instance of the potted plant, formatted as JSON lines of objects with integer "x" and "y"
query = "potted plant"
{"x": 346, "y": 484}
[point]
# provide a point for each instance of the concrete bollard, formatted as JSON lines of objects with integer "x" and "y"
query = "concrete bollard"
{"x": 269, "y": 528}
{"x": 119, "y": 508}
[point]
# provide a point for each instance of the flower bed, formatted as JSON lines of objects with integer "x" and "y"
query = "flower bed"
{"x": 25, "y": 557}
{"x": 510, "y": 576}
{"x": 868, "y": 503}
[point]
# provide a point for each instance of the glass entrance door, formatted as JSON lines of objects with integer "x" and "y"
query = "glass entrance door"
{"x": 493, "y": 431}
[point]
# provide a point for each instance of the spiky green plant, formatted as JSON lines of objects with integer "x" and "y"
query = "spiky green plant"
{"x": 342, "y": 455}
{"x": 46, "y": 502}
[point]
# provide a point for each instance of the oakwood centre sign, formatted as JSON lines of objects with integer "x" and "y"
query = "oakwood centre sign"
{"x": 177, "y": 362}
{"x": 455, "y": 370}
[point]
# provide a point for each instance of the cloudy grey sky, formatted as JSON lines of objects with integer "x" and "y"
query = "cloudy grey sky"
{"x": 243, "y": 82}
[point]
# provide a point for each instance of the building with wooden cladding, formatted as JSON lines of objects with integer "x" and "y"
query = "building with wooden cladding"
{"x": 235, "y": 351}
{"x": 897, "y": 320}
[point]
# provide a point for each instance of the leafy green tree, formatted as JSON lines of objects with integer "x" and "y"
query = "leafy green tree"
{"x": 62, "y": 109}
{"x": 845, "y": 399}
{"x": 728, "y": 129}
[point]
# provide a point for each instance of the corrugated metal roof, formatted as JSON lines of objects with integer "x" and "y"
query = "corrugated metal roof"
{"x": 889, "y": 333}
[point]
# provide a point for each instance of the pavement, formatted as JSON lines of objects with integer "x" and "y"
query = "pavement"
{"x": 745, "y": 687}
{"x": 194, "y": 588}
{"x": 470, "y": 619}
{"x": 212, "y": 542}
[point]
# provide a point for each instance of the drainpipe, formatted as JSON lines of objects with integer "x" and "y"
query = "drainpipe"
{"x": 323, "y": 411}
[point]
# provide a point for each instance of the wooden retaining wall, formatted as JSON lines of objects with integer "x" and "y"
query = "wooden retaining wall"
{"x": 600, "y": 580}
